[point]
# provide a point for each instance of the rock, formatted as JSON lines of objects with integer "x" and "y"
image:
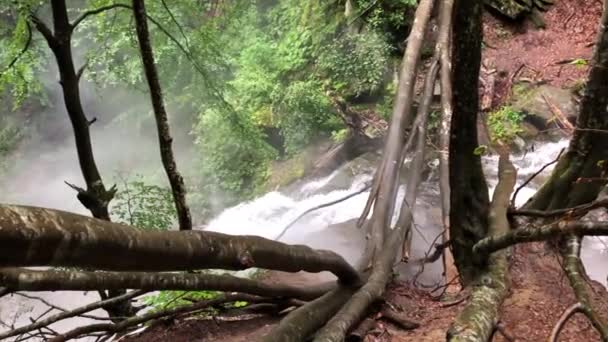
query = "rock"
{"x": 539, "y": 116}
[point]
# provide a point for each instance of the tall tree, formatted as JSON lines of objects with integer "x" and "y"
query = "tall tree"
{"x": 162, "y": 122}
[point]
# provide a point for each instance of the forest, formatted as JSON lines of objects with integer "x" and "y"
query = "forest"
{"x": 282, "y": 170}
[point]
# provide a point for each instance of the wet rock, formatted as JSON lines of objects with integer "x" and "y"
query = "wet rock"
{"x": 540, "y": 120}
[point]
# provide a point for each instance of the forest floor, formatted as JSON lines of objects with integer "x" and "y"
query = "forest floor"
{"x": 540, "y": 292}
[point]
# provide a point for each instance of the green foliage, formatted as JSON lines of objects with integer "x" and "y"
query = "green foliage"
{"x": 234, "y": 156}
{"x": 19, "y": 80}
{"x": 356, "y": 63}
{"x": 144, "y": 206}
{"x": 170, "y": 299}
{"x": 339, "y": 136}
{"x": 504, "y": 124}
{"x": 306, "y": 110}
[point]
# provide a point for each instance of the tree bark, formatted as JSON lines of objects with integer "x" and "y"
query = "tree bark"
{"x": 43, "y": 237}
{"x": 469, "y": 192}
{"x": 20, "y": 279}
{"x": 443, "y": 50}
{"x": 477, "y": 320}
{"x": 96, "y": 197}
{"x": 162, "y": 122}
{"x": 581, "y": 172}
{"x": 401, "y": 118}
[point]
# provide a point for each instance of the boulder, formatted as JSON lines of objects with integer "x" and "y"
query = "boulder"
{"x": 537, "y": 102}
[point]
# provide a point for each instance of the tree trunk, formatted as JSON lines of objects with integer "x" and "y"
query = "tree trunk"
{"x": 581, "y": 172}
{"x": 95, "y": 198}
{"x": 162, "y": 122}
{"x": 43, "y": 237}
{"x": 469, "y": 192}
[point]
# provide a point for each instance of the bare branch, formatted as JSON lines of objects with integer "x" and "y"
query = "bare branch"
{"x": 95, "y": 11}
{"x": 321, "y": 206}
{"x": 523, "y": 185}
{"x": 72, "y": 313}
{"x": 137, "y": 320}
{"x": 577, "y": 211}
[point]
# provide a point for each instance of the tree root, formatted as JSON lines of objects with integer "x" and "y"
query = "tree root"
{"x": 304, "y": 321}
{"x": 399, "y": 319}
{"x": 575, "y": 272}
{"x": 573, "y": 309}
{"x": 361, "y": 331}
{"x": 22, "y": 279}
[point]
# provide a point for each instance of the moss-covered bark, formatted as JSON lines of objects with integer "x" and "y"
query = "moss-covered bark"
{"x": 488, "y": 290}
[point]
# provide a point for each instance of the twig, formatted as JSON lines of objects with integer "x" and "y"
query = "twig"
{"x": 523, "y": 185}
{"x": 67, "y": 314}
{"x": 563, "y": 319}
{"x": 321, "y": 206}
{"x": 134, "y": 321}
{"x": 577, "y": 211}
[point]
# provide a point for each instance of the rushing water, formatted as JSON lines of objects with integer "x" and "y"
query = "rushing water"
{"x": 268, "y": 215}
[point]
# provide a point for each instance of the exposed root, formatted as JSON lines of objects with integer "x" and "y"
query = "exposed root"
{"x": 304, "y": 321}
{"x": 361, "y": 331}
{"x": 563, "y": 319}
{"x": 575, "y": 271}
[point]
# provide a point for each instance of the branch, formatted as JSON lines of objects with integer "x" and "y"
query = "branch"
{"x": 321, "y": 206}
{"x": 95, "y": 11}
{"x": 33, "y": 236}
{"x": 21, "y": 279}
{"x": 523, "y": 185}
{"x": 495, "y": 243}
{"x": 44, "y": 30}
{"x": 577, "y": 211}
{"x": 22, "y": 52}
{"x": 563, "y": 319}
{"x": 137, "y": 320}
{"x": 72, "y": 313}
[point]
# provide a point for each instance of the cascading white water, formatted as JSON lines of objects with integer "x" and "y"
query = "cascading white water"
{"x": 267, "y": 215}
